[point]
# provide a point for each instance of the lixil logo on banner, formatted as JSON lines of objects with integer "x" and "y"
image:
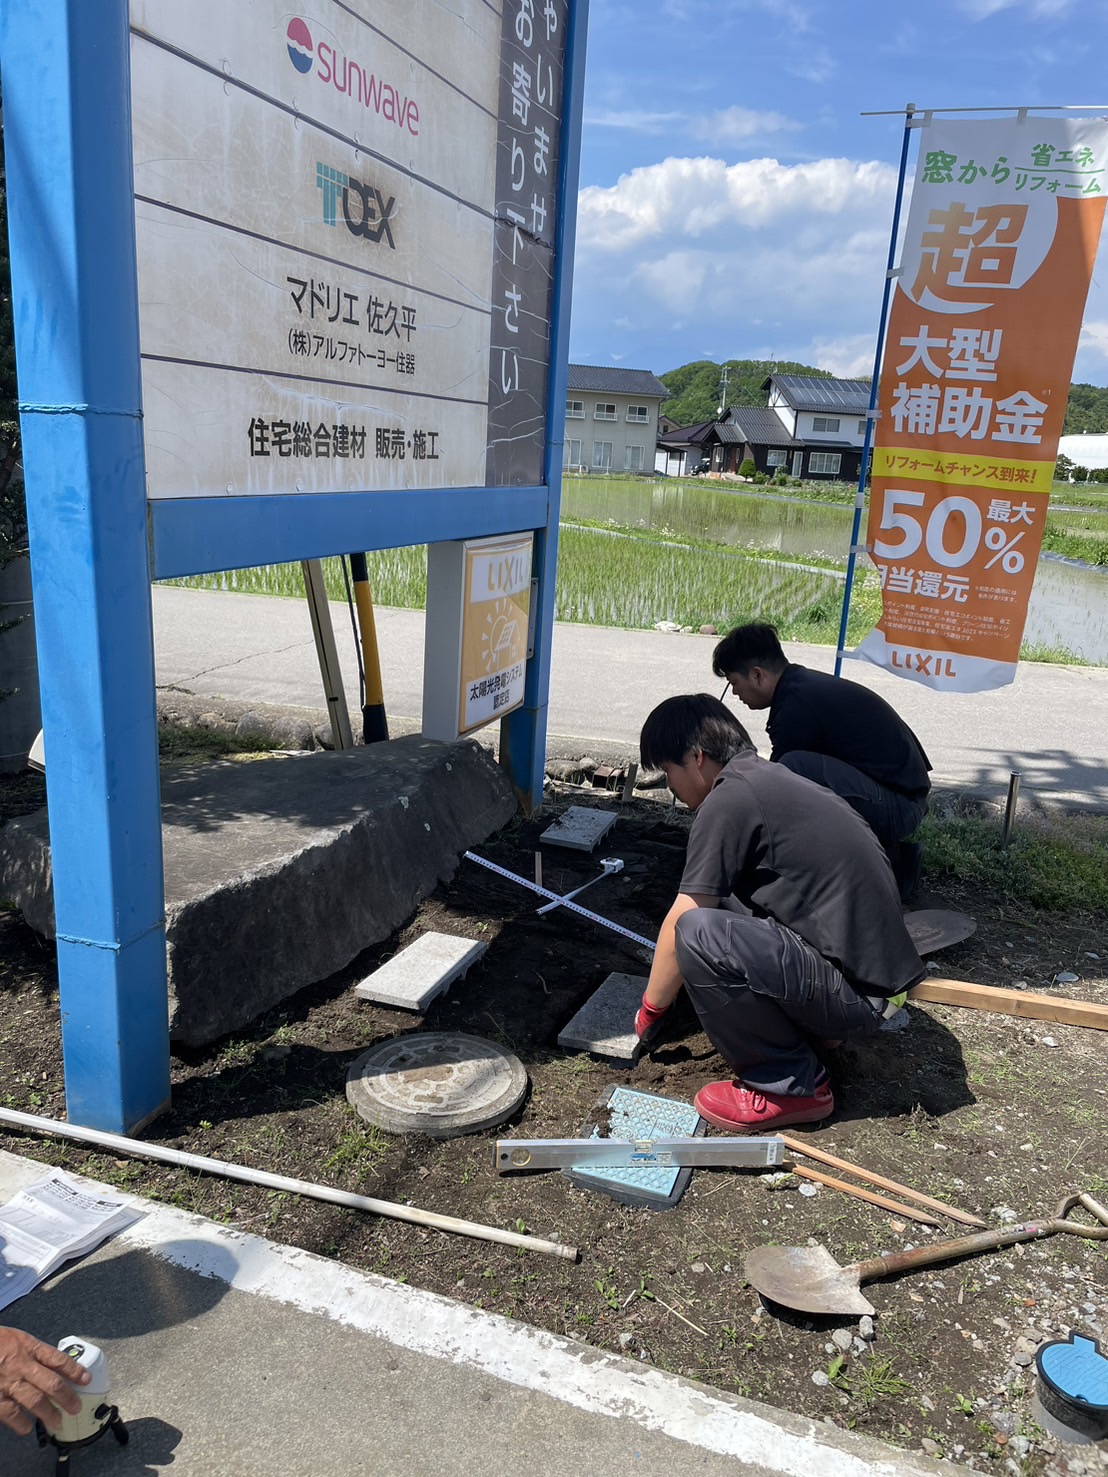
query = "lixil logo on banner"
{"x": 364, "y": 208}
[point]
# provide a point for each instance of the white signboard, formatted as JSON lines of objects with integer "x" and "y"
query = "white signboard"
{"x": 344, "y": 223}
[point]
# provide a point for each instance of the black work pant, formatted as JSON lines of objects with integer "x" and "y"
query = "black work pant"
{"x": 891, "y": 817}
{"x": 762, "y": 994}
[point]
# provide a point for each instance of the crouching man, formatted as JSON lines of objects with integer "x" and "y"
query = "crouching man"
{"x": 787, "y": 929}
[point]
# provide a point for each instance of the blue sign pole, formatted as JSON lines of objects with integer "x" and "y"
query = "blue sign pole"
{"x": 68, "y": 155}
{"x": 860, "y": 494}
{"x": 523, "y": 733}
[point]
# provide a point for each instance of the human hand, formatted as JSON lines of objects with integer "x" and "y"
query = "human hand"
{"x": 35, "y": 1380}
{"x": 648, "y": 1021}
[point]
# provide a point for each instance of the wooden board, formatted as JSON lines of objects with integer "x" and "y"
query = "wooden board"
{"x": 1012, "y": 1002}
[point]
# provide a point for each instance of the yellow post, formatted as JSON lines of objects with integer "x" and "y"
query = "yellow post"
{"x": 375, "y": 724}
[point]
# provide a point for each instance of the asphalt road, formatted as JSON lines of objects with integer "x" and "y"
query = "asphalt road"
{"x": 1050, "y": 724}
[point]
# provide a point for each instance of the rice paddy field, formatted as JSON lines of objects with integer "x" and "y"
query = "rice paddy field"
{"x": 634, "y": 552}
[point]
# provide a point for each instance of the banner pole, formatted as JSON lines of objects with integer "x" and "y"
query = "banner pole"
{"x": 860, "y": 495}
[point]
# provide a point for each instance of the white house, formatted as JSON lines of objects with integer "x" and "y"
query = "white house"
{"x": 612, "y": 418}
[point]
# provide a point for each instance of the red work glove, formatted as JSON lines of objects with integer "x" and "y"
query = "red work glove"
{"x": 648, "y": 1021}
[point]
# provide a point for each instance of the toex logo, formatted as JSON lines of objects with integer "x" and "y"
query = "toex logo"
{"x": 364, "y": 208}
{"x": 353, "y": 79}
{"x": 301, "y": 51}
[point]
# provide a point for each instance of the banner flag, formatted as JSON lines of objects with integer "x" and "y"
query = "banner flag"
{"x": 998, "y": 253}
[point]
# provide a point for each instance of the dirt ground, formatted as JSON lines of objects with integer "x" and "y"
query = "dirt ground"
{"x": 1002, "y": 1117}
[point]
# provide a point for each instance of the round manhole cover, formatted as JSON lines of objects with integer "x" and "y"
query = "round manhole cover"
{"x": 439, "y": 1083}
{"x": 932, "y": 929}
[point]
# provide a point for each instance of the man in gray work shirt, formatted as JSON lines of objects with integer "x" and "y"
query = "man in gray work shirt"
{"x": 787, "y": 928}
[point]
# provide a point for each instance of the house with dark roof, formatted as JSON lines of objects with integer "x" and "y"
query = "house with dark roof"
{"x": 611, "y": 419}
{"x": 749, "y": 433}
{"x": 827, "y": 417}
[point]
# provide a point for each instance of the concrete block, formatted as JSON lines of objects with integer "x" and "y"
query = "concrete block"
{"x": 415, "y": 976}
{"x": 278, "y": 872}
{"x": 580, "y": 828}
{"x": 605, "y": 1024}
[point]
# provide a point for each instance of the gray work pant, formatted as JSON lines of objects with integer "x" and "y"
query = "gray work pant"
{"x": 891, "y": 817}
{"x": 762, "y": 994}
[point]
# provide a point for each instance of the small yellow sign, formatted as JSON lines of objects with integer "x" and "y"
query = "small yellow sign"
{"x": 495, "y": 605}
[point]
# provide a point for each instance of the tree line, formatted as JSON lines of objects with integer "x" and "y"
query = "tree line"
{"x": 697, "y": 392}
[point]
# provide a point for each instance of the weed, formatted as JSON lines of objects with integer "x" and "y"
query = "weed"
{"x": 878, "y": 1379}
{"x": 606, "y": 1289}
{"x": 358, "y": 1149}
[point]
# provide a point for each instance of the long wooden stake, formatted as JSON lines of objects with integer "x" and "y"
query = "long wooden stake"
{"x": 856, "y": 1190}
{"x": 1012, "y": 1002}
{"x": 801, "y": 1146}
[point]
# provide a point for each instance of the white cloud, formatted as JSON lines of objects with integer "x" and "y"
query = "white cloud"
{"x": 1038, "y": 9}
{"x": 636, "y": 120}
{"x": 764, "y": 258}
{"x": 733, "y": 125}
{"x": 850, "y": 357}
{"x": 727, "y": 126}
{"x": 689, "y": 197}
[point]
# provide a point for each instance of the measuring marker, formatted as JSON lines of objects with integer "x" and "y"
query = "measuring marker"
{"x": 563, "y": 902}
{"x": 659, "y": 1153}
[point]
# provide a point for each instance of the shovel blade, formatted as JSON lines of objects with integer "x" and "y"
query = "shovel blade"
{"x": 807, "y": 1278}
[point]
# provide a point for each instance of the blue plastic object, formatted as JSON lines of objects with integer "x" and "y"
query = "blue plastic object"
{"x": 632, "y": 1114}
{"x": 1073, "y": 1384}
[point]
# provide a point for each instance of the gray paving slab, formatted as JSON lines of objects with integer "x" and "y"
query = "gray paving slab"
{"x": 232, "y": 1356}
{"x": 579, "y": 828}
{"x": 602, "y": 1025}
{"x": 421, "y": 971}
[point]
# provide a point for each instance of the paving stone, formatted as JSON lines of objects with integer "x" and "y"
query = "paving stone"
{"x": 420, "y": 972}
{"x": 605, "y": 1023}
{"x": 580, "y": 828}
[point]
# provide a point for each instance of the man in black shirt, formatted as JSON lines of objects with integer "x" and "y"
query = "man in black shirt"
{"x": 787, "y": 924}
{"x": 837, "y": 733}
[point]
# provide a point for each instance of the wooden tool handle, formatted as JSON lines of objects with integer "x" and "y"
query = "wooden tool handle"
{"x": 856, "y": 1190}
{"x": 801, "y": 1146}
{"x": 944, "y": 1251}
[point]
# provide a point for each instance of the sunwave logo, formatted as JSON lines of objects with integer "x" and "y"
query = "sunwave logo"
{"x": 355, "y": 80}
{"x": 301, "y": 50}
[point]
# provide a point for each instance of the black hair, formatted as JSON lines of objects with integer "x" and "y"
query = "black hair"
{"x": 681, "y": 725}
{"x": 753, "y": 645}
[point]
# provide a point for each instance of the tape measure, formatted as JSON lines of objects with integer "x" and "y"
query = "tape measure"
{"x": 636, "y": 938}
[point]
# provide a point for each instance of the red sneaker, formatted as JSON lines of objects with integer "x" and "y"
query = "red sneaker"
{"x": 736, "y": 1108}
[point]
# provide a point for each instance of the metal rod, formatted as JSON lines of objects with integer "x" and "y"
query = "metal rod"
{"x": 1010, "y": 808}
{"x": 659, "y": 1153}
{"x": 283, "y": 1183}
{"x": 554, "y": 897}
{"x": 1014, "y": 108}
{"x": 867, "y": 442}
{"x": 327, "y": 653}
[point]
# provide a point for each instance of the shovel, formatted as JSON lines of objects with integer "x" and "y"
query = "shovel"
{"x": 809, "y": 1279}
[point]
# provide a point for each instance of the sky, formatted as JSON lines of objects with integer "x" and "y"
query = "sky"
{"x": 734, "y": 204}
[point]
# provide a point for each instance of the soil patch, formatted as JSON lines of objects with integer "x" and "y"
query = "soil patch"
{"x": 1002, "y": 1117}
